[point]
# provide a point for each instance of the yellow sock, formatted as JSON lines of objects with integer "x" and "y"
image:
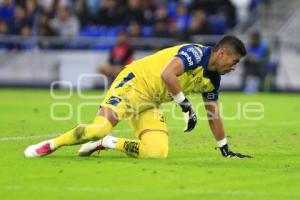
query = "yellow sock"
{"x": 130, "y": 147}
{"x": 82, "y": 133}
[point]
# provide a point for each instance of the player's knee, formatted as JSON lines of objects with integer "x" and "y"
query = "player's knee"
{"x": 156, "y": 150}
{"x": 107, "y": 113}
{"x": 155, "y": 147}
{"x": 159, "y": 151}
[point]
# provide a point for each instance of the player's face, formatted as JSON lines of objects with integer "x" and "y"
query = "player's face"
{"x": 227, "y": 61}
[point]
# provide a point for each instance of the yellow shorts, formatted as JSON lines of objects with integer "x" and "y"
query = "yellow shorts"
{"x": 147, "y": 121}
{"x": 126, "y": 97}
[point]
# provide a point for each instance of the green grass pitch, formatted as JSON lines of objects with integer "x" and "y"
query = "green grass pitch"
{"x": 194, "y": 169}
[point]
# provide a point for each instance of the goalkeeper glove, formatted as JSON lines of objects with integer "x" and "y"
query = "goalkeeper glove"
{"x": 189, "y": 115}
{"x": 229, "y": 154}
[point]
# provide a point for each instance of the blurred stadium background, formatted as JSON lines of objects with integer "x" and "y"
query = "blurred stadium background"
{"x": 56, "y": 41}
{"x": 42, "y": 41}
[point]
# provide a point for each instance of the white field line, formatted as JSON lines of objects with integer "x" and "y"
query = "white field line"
{"x": 9, "y": 138}
{"x": 139, "y": 190}
{"x": 27, "y": 137}
{"x": 282, "y": 123}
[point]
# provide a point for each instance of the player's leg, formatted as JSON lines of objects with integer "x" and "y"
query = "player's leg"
{"x": 152, "y": 144}
{"x": 101, "y": 126}
{"x": 152, "y": 136}
{"x": 151, "y": 133}
{"x": 112, "y": 109}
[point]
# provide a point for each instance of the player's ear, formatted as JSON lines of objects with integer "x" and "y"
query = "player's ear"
{"x": 220, "y": 52}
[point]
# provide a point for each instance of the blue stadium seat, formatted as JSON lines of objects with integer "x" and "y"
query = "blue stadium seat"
{"x": 147, "y": 31}
{"x": 93, "y": 31}
{"x": 112, "y": 31}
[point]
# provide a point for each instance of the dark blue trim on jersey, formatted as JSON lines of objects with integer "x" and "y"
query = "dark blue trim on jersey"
{"x": 125, "y": 80}
{"x": 215, "y": 79}
{"x": 194, "y": 56}
{"x": 113, "y": 100}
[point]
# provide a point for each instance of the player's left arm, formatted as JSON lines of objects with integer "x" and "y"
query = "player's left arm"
{"x": 216, "y": 125}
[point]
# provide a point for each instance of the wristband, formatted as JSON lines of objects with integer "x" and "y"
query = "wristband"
{"x": 179, "y": 98}
{"x": 222, "y": 142}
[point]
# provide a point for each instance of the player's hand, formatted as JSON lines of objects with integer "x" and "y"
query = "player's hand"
{"x": 189, "y": 115}
{"x": 229, "y": 154}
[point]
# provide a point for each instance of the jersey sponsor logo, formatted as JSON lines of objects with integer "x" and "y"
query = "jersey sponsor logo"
{"x": 198, "y": 80}
{"x": 211, "y": 96}
{"x": 203, "y": 88}
{"x": 197, "y": 52}
{"x": 188, "y": 57}
{"x": 193, "y": 74}
{"x": 113, "y": 100}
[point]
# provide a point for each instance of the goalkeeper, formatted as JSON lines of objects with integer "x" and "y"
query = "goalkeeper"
{"x": 140, "y": 89}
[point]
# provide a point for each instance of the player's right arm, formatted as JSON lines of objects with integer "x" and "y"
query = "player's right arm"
{"x": 169, "y": 75}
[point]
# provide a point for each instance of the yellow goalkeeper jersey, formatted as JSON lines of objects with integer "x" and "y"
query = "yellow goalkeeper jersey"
{"x": 147, "y": 72}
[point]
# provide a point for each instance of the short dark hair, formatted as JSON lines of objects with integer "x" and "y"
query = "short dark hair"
{"x": 233, "y": 43}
